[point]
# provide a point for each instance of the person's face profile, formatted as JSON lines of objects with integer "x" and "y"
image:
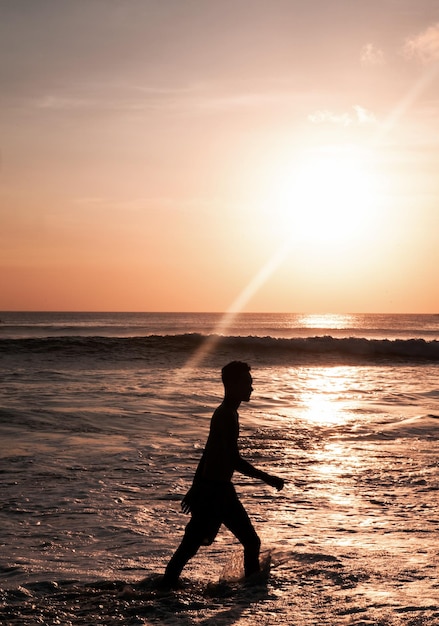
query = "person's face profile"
{"x": 245, "y": 387}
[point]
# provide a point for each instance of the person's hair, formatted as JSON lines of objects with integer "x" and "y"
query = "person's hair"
{"x": 233, "y": 371}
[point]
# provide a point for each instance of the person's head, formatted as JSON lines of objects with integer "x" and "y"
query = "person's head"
{"x": 237, "y": 381}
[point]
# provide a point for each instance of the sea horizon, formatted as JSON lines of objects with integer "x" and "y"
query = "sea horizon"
{"x": 213, "y": 312}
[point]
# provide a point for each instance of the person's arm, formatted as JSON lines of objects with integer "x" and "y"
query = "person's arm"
{"x": 188, "y": 500}
{"x": 244, "y": 467}
{"x": 199, "y": 469}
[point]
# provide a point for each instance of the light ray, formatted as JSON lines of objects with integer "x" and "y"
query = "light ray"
{"x": 408, "y": 100}
{"x": 238, "y": 305}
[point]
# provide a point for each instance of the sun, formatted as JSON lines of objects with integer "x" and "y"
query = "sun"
{"x": 328, "y": 195}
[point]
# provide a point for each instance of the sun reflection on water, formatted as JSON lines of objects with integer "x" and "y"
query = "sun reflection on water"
{"x": 322, "y": 410}
{"x": 327, "y": 396}
{"x": 327, "y": 320}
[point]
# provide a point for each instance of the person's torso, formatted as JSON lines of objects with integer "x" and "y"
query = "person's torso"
{"x": 221, "y": 449}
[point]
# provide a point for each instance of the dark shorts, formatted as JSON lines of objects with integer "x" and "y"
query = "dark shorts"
{"x": 216, "y": 504}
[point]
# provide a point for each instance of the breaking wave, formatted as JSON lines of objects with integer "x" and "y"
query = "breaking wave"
{"x": 318, "y": 348}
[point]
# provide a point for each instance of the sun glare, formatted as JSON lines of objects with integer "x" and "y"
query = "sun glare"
{"x": 329, "y": 398}
{"x": 328, "y": 196}
{"x": 326, "y": 320}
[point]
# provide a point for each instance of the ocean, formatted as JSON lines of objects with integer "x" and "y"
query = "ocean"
{"x": 103, "y": 418}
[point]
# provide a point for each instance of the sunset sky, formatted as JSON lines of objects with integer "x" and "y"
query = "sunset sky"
{"x": 204, "y": 155}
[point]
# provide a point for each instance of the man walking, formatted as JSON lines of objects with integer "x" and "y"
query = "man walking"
{"x": 212, "y": 499}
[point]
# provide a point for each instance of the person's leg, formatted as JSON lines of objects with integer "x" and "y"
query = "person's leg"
{"x": 238, "y": 522}
{"x": 200, "y": 531}
{"x": 188, "y": 547}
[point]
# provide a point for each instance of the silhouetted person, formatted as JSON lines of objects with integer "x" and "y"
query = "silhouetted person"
{"x": 212, "y": 499}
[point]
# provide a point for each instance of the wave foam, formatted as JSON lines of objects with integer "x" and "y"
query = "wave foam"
{"x": 320, "y": 348}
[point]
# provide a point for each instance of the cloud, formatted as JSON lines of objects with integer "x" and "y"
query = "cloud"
{"x": 56, "y": 102}
{"x": 371, "y": 55}
{"x": 425, "y": 46}
{"x": 363, "y": 115}
{"x": 358, "y": 117}
{"x": 327, "y": 117}
{"x": 204, "y": 97}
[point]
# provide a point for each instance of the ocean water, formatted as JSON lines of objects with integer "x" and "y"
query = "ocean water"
{"x": 103, "y": 418}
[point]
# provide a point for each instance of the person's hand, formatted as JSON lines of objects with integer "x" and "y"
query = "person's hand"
{"x": 276, "y": 482}
{"x": 186, "y": 503}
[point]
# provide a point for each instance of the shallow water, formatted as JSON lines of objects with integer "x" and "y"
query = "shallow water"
{"x": 96, "y": 453}
{"x": 353, "y": 536}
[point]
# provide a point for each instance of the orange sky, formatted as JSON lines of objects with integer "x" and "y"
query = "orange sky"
{"x": 266, "y": 155}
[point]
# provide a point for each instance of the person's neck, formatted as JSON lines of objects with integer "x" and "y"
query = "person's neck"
{"x": 231, "y": 402}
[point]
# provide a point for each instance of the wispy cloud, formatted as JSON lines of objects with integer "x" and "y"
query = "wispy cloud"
{"x": 57, "y": 102}
{"x": 372, "y": 55}
{"x": 109, "y": 96}
{"x": 323, "y": 116}
{"x": 202, "y": 97}
{"x": 358, "y": 117}
{"x": 424, "y": 46}
{"x": 364, "y": 116}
